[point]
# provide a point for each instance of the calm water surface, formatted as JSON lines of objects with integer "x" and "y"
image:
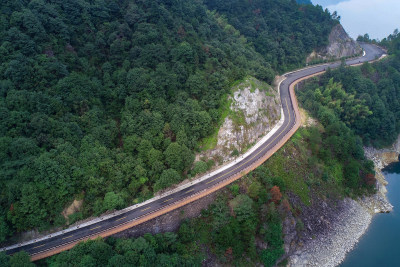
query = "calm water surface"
{"x": 380, "y": 246}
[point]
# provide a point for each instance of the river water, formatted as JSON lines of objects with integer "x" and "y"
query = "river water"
{"x": 380, "y": 244}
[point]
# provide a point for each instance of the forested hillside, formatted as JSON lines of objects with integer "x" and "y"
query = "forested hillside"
{"x": 365, "y": 98}
{"x": 106, "y": 101}
{"x": 283, "y": 32}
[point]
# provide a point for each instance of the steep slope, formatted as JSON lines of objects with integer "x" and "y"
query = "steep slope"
{"x": 282, "y": 31}
{"x": 253, "y": 108}
{"x": 105, "y": 101}
{"x": 373, "y": 108}
{"x": 99, "y": 99}
{"x": 340, "y": 45}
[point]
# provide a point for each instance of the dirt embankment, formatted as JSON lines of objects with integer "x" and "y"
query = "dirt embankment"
{"x": 170, "y": 221}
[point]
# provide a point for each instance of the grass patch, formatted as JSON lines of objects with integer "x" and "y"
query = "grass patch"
{"x": 238, "y": 119}
{"x": 253, "y": 84}
{"x": 299, "y": 165}
{"x": 224, "y": 110}
{"x": 267, "y": 93}
{"x": 292, "y": 172}
{"x": 209, "y": 142}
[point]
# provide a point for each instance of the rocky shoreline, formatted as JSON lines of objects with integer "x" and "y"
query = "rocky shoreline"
{"x": 330, "y": 246}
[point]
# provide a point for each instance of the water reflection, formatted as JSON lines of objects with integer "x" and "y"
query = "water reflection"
{"x": 380, "y": 245}
{"x": 393, "y": 168}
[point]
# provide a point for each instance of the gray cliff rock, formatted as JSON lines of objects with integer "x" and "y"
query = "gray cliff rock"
{"x": 340, "y": 45}
{"x": 331, "y": 229}
{"x": 255, "y": 108}
{"x": 328, "y": 228}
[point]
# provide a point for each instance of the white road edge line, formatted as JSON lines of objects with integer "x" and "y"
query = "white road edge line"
{"x": 204, "y": 177}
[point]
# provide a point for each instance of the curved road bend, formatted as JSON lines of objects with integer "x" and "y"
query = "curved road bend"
{"x": 65, "y": 240}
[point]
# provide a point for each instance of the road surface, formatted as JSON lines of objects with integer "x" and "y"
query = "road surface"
{"x": 64, "y": 240}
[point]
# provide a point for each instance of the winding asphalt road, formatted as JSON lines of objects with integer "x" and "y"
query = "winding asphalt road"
{"x": 64, "y": 240}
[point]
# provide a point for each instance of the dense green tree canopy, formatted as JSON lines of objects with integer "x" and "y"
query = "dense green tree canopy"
{"x": 365, "y": 98}
{"x": 99, "y": 98}
{"x": 107, "y": 100}
{"x": 150, "y": 250}
{"x": 283, "y": 32}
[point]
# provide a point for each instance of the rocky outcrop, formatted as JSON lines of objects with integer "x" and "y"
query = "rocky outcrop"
{"x": 332, "y": 229}
{"x": 255, "y": 108}
{"x": 340, "y": 45}
{"x": 332, "y": 235}
{"x": 381, "y": 158}
{"x": 328, "y": 228}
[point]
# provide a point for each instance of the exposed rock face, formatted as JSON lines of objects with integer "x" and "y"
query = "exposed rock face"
{"x": 170, "y": 221}
{"x": 337, "y": 228}
{"x": 331, "y": 229}
{"x": 328, "y": 229}
{"x": 383, "y": 157}
{"x": 254, "y": 110}
{"x": 340, "y": 45}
